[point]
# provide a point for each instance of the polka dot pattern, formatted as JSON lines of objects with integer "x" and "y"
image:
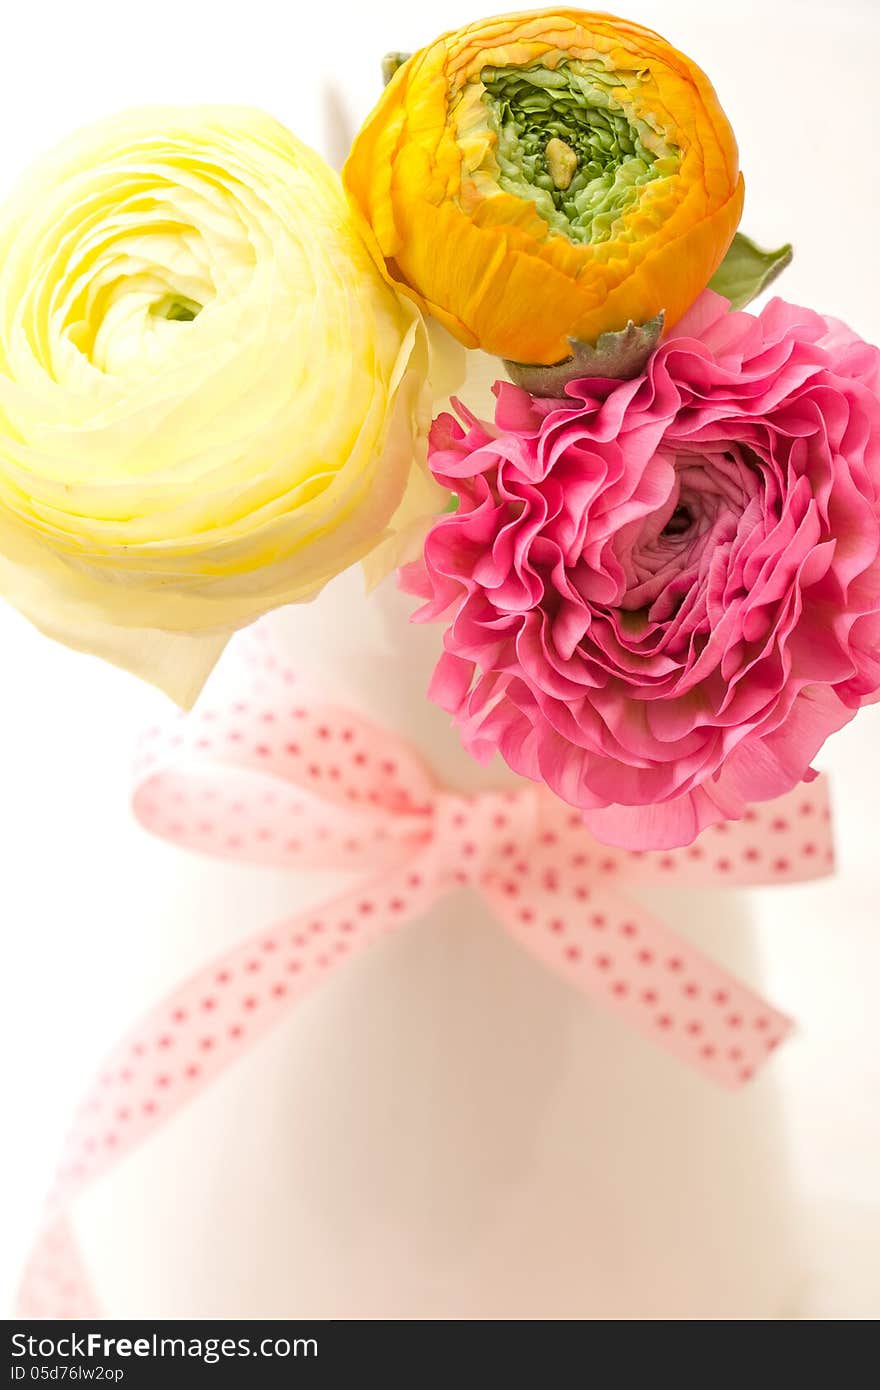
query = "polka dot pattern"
{"x": 611, "y": 949}
{"x": 783, "y": 841}
{"x": 267, "y": 774}
{"x": 55, "y": 1284}
{"x": 194, "y": 1035}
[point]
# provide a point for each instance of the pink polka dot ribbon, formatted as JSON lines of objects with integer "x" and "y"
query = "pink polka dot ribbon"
{"x": 266, "y": 774}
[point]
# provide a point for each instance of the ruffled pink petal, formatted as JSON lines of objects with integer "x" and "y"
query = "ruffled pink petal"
{"x": 662, "y": 595}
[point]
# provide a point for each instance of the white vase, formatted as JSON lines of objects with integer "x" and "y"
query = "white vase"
{"x": 444, "y": 1130}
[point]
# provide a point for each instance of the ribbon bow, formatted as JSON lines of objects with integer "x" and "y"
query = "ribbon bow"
{"x": 273, "y": 776}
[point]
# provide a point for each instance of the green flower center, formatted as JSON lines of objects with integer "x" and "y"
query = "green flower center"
{"x": 579, "y": 153}
{"x": 177, "y": 308}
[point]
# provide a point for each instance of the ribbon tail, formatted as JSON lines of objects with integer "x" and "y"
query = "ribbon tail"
{"x": 187, "y": 1042}
{"x": 614, "y": 951}
{"x": 55, "y": 1283}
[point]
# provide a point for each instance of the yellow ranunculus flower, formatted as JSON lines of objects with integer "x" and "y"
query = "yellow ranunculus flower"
{"x": 548, "y": 175}
{"x": 210, "y": 400}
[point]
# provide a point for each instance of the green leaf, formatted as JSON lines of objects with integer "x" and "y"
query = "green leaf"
{"x": 619, "y": 355}
{"x": 390, "y": 63}
{"x": 747, "y": 270}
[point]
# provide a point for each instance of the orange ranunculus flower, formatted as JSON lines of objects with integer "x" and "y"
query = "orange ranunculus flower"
{"x": 548, "y": 175}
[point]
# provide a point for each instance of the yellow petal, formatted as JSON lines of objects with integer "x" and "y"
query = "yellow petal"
{"x": 211, "y": 400}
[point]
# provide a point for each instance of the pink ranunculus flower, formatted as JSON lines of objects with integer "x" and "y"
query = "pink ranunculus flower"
{"x": 662, "y": 595}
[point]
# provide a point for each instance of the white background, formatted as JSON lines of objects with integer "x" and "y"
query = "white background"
{"x": 81, "y": 888}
